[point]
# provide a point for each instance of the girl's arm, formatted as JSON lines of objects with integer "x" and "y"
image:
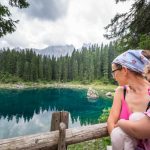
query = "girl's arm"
{"x": 115, "y": 110}
{"x": 139, "y": 129}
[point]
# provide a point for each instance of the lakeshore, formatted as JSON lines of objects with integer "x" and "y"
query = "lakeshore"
{"x": 24, "y": 85}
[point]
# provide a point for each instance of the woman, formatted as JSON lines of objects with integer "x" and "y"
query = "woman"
{"x": 127, "y": 70}
{"x": 139, "y": 129}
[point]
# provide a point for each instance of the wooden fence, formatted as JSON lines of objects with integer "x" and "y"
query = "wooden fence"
{"x": 59, "y": 137}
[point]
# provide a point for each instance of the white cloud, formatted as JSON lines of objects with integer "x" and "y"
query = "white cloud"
{"x": 83, "y": 21}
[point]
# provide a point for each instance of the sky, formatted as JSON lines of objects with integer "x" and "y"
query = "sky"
{"x": 60, "y": 22}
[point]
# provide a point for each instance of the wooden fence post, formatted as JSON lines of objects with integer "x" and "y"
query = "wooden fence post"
{"x": 62, "y": 137}
{"x": 55, "y": 121}
{"x": 59, "y": 118}
{"x": 64, "y": 117}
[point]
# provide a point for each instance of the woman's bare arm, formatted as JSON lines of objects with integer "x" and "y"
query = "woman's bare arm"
{"x": 115, "y": 110}
{"x": 139, "y": 129}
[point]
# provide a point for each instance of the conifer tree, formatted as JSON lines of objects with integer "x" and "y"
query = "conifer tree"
{"x": 7, "y": 24}
{"x": 129, "y": 26}
{"x": 40, "y": 67}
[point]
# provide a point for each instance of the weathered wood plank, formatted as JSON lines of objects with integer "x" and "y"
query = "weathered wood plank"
{"x": 50, "y": 139}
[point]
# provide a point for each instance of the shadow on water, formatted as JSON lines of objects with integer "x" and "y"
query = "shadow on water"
{"x": 29, "y": 111}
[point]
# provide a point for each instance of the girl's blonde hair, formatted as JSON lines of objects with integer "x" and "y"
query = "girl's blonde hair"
{"x": 146, "y": 74}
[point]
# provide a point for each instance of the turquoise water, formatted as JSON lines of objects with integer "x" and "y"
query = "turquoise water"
{"x": 24, "y": 112}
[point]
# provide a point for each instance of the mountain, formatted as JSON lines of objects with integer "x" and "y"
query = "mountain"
{"x": 56, "y": 51}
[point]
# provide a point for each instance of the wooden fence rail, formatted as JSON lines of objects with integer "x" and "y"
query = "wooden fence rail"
{"x": 49, "y": 140}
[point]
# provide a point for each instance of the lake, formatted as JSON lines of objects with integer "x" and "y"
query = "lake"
{"x": 29, "y": 111}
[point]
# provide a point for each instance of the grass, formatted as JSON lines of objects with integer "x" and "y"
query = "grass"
{"x": 96, "y": 144}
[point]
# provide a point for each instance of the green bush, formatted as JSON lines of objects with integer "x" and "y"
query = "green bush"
{"x": 144, "y": 42}
{"x": 103, "y": 118}
{"x": 85, "y": 82}
{"x": 8, "y": 78}
{"x": 105, "y": 80}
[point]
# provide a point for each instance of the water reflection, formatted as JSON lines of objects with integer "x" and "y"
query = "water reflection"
{"x": 25, "y": 112}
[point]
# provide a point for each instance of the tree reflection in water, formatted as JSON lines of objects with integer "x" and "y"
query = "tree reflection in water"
{"x": 30, "y": 110}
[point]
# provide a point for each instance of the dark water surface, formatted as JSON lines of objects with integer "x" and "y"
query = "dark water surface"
{"x": 29, "y": 111}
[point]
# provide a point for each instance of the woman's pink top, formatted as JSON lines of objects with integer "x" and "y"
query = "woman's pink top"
{"x": 125, "y": 113}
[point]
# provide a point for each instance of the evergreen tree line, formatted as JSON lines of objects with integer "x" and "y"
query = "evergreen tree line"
{"x": 86, "y": 65}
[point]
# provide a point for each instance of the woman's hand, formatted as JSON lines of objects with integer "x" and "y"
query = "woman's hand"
{"x": 120, "y": 122}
